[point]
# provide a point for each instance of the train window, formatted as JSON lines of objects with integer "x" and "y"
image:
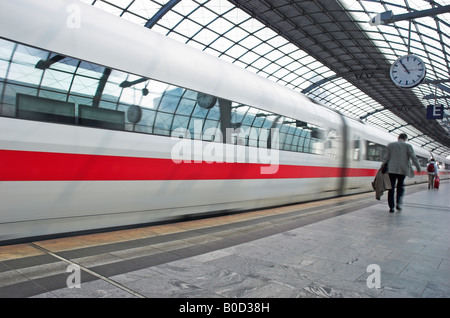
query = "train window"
{"x": 101, "y": 117}
{"x": 170, "y": 99}
{"x": 44, "y": 109}
{"x": 375, "y": 152}
{"x": 356, "y": 148}
{"x": 180, "y": 122}
{"x": 423, "y": 161}
{"x": 310, "y": 138}
{"x": 145, "y": 125}
{"x": 163, "y": 123}
{"x": 199, "y": 112}
{"x": 65, "y": 90}
{"x": 186, "y": 105}
{"x": 332, "y": 144}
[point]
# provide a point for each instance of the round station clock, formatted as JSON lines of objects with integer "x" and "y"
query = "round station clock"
{"x": 408, "y": 71}
{"x": 206, "y": 101}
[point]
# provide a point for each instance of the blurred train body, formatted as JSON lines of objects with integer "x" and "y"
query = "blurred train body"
{"x": 69, "y": 167}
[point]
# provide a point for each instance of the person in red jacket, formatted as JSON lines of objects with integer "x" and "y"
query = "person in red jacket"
{"x": 433, "y": 172}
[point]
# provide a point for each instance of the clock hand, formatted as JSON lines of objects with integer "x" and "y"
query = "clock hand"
{"x": 404, "y": 67}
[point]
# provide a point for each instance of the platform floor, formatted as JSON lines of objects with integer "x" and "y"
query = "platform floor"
{"x": 345, "y": 247}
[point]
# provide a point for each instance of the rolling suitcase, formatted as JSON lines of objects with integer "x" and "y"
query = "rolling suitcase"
{"x": 436, "y": 182}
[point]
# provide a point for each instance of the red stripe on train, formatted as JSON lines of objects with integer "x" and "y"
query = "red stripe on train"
{"x": 48, "y": 166}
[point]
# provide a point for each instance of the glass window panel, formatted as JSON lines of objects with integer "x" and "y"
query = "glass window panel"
{"x": 282, "y": 137}
{"x": 146, "y": 122}
{"x": 248, "y": 119}
{"x": 250, "y": 42}
{"x": 90, "y": 70}
{"x": 67, "y": 64}
{"x": 281, "y": 73}
{"x": 249, "y": 57}
{"x": 6, "y": 49}
{"x": 163, "y": 123}
{"x": 260, "y": 63}
{"x": 108, "y": 105}
{"x": 219, "y": 6}
{"x": 202, "y": 15}
{"x": 221, "y": 26}
{"x": 199, "y": 112}
{"x": 196, "y": 128}
{"x": 236, "y": 118}
{"x": 111, "y": 92}
{"x": 170, "y": 20}
{"x": 285, "y": 60}
{"x": 258, "y": 122}
{"x": 274, "y": 55}
{"x": 307, "y": 145}
{"x": 206, "y": 36}
{"x": 189, "y": 28}
{"x": 11, "y": 91}
{"x": 214, "y": 113}
{"x": 253, "y": 137}
{"x": 84, "y": 85}
{"x": 3, "y": 68}
{"x": 237, "y": 34}
{"x": 180, "y": 122}
{"x": 57, "y": 80}
{"x": 236, "y": 51}
{"x": 170, "y": 99}
{"x": 222, "y": 44}
{"x": 53, "y": 95}
{"x": 295, "y": 141}
{"x": 263, "y": 137}
{"x": 130, "y": 96}
{"x": 288, "y": 140}
{"x": 29, "y": 55}
{"x": 262, "y": 49}
{"x": 108, "y": 8}
{"x": 186, "y": 106}
{"x": 144, "y": 8}
{"x": 271, "y": 68}
{"x": 211, "y": 131}
{"x": 25, "y": 74}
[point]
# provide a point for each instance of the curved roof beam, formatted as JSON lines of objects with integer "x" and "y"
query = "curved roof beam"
{"x": 358, "y": 75}
{"x": 388, "y": 17}
{"x": 150, "y": 24}
{"x": 162, "y": 12}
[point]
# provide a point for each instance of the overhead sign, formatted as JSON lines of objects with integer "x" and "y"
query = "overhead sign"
{"x": 435, "y": 111}
{"x": 381, "y": 18}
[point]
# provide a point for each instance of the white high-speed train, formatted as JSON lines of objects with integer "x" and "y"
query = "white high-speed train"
{"x": 150, "y": 129}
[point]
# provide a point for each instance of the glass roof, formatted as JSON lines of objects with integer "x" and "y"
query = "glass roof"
{"x": 427, "y": 37}
{"x": 220, "y": 28}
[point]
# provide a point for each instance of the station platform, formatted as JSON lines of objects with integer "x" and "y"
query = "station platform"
{"x": 345, "y": 247}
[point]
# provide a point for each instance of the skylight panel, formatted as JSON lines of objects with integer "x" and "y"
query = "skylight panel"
{"x": 144, "y": 8}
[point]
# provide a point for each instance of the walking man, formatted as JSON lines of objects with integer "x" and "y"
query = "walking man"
{"x": 398, "y": 159}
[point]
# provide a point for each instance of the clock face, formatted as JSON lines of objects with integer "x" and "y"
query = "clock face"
{"x": 205, "y": 100}
{"x": 408, "y": 71}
